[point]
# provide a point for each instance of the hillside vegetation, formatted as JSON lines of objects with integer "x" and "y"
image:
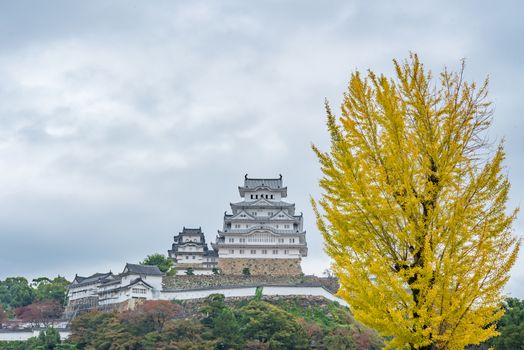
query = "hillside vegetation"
{"x": 216, "y": 323}
{"x": 294, "y": 323}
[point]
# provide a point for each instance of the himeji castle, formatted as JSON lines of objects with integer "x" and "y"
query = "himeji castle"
{"x": 262, "y": 235}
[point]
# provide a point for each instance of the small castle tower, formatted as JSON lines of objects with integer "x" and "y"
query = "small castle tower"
{"x": 190, "y": 251}
{"x": 262, "y": 234}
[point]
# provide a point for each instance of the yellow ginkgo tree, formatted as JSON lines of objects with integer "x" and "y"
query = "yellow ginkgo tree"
{"x": 413, "y": 209}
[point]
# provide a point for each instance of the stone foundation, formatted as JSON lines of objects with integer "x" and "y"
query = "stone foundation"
{"x": 260, "y": 267}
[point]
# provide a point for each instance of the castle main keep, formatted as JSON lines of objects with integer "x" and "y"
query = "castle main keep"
{"x": 261, "y": 236}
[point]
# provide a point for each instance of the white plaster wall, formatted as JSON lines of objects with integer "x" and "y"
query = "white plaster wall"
{"x": 224, "y": 252}
{"x": 199, "y": 294}
{"x": 247, "y": 195}
{"x": 82, "y": 292}
{"x": 24, "y": 335}
{"x": 191, "y": 239}
{"x": 190, "y": 249}
{"x": 187, "y": 258}
{"x": 154, "y": 281}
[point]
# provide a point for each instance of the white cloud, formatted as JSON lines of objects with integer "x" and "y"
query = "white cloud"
{"x": 120, "y": 124}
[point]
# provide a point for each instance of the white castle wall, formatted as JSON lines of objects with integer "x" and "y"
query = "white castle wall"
{"x": 250, "y": 292}
{"x": 204, "y": 293}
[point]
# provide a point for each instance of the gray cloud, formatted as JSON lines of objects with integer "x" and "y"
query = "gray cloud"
{"x": 121, "y": 122}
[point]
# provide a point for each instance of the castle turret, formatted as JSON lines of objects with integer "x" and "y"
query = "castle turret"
{"x": 262, "y": 234}
{"x": 190, "y": 251}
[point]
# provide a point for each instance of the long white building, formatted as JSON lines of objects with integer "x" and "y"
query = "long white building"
{"x": 262, "y": 235}
{"x": 135, "y": 282}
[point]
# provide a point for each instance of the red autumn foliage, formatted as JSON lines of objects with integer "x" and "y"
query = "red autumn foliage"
{"x": 154, "y": 312}
{"x": 362, "y": 338}
{"x": 40, "y": 312}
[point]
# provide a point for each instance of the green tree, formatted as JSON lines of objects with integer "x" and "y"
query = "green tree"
{"x": 212, "y": 307}
{"x": 413, "y": 212}
{"x": 16, "y": 292}
{"x": 55, "y": 289}
{"x": 227, "y": 330}
{"x": 269, "y": 324}
{"x": 163, "y": 262}
{"x": 49, "y": 338}
{"x": 510, "y": 326}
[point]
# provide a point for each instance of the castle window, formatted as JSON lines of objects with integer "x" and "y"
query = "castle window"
{"x": 264, "y": 251}
{"x": 275, "y": 251}
{"x": 291, "y": 240}
{"x": 231, "y": 240}
{"x": 286, "y": 251}
{"x": 281, "y": 240}
{"x": 231, "y": 251}
{"x": 241, "y": 251}
{"x": 193, "y": 257}
{"x": 286, "y": 226}
{"x": 271, "y": 196}
{"x": 237, "y": 226}
{"x": 251, "y": 196}
{"x": 253, "y": 251}
{"x": 242, "y": 240}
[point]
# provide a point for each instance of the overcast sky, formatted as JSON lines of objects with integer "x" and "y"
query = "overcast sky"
{"x": 121, "y": 121}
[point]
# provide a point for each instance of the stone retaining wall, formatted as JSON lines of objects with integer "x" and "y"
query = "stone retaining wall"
{"x": 192, "y": 308}
{"x": 270, "y": 267}
{"x": 214, "y": 281}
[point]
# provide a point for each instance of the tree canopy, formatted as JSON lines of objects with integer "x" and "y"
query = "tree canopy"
{"x": 16, "y": 292}
{"x": 3, "y": 316}
{"x": 413, "y": 209}
{"x": 55, "y": 289}
{"x": 164, "y": 263}
{"x": 510, "y": 326}
{"x": 219, "y": 324}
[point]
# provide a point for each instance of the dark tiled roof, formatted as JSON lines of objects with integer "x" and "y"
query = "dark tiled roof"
{"x": 135, "y": 281}
{"x": 143, "y": 269}
{"x": 95, "y": 278}
{"x": 211, "y": 253}
{"x": 270, "y": 182}
{"x": 191, "y": 231}
{"x": 266, "y": 203}
{"x": 116, "y": 280}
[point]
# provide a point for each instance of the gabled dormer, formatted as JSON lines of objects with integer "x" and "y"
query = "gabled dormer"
{"x": 282, "y": 215}
{"x": 240, "y": 215}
